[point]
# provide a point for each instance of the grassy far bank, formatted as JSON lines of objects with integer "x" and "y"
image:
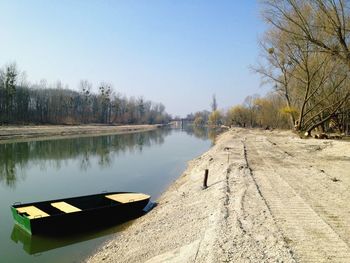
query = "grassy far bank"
{"x": 19, "y": 133}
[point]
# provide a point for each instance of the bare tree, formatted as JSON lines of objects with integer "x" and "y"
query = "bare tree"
{"x": 85, "y": 90}
{"x": 276, "y": 65}
{"x": 314, "y": 37}
{"x": 214, "y": 105}
{"x": 8, "y": 78}
{"x": 324, "y": 23}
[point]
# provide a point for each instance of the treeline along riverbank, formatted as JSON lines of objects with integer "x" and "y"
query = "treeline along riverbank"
{"x": 21, "y": 102}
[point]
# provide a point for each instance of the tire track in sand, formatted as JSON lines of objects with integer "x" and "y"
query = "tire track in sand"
{"x": 246, "y": 232}
{"x": 309, "y": 236}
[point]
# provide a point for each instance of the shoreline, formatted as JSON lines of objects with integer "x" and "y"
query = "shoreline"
{"x": 9, "y": 134}
{"x": 268, "y": 198}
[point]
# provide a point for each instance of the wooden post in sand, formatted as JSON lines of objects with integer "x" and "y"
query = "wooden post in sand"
{"x": 205, "y": 179}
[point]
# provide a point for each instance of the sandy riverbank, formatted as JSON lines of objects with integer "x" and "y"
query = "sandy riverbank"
{"x": 23, "y": 133}
{"x": 272, "y": 197}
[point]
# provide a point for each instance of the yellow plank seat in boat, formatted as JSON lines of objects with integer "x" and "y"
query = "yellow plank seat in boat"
{"x": 65, "y": 207}
{"x": 127, "y": 197}
{"x": 32, "y": 212}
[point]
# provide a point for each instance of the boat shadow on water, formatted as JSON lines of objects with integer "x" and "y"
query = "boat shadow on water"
{"x": 36, "y": 244}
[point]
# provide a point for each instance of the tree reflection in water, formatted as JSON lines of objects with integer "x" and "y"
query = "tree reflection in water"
{"x": 202, "y": 132}
{"x": 16, "y": 157}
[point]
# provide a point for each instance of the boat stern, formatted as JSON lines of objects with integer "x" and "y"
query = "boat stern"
{"x": 21, "y": 220}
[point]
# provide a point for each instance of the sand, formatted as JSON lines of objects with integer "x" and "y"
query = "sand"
{"x": 271, "y": 197}
{"x": 14, "y": 133}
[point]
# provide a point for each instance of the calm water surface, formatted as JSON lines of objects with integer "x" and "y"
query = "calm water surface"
{"x": 40, "y": 170}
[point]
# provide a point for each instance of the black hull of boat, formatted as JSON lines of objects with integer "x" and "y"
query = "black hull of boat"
{"x": 86, "y": 219}
{"x": 76, "y": 222}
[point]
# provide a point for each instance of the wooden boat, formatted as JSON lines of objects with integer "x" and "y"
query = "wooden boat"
{"x": 76, "y": 213}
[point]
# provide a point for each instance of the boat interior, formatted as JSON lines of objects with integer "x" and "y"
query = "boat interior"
{"x": 76, "y": 204}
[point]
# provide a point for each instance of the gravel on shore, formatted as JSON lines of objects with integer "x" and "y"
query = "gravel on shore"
{"x": 271, "y": 197}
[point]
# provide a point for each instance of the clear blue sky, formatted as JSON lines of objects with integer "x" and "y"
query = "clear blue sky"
{"x": 178, "y": 52}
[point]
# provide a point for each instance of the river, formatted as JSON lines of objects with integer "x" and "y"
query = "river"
{"x": 51, "y": 169}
